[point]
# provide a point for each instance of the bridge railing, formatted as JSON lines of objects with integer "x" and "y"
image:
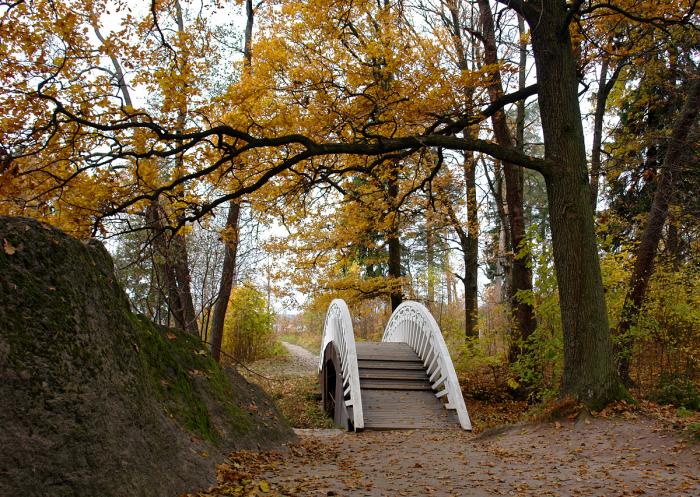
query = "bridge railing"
{"x": 338, "y": 330}
{"x": 413, "y": 324}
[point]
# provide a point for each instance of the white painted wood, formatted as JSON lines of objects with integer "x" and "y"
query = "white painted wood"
{"x": 338, "y": 330}
{"x": 413, "y": 324}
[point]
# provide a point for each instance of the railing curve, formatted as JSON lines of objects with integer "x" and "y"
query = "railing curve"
{"x": 413, "y": 324}
{"x": 338, "y": 329}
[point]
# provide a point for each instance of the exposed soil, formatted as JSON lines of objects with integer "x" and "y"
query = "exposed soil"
{"x": 591, "y": 457}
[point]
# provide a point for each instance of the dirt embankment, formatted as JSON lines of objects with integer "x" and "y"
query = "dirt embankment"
{"x": 97, "y": 400}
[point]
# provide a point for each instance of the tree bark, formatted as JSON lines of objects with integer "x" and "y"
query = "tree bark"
{"x": 228, "y": 273}
{"x": 470, "y": 243}
{"x": 649, "y": 242}
{"x": 429, "y": 257}
{"x": 394, "y": 247}
{"x": 232, "y": 229}
{"x": 471, "y": 250}
{"x": 467, "y": 244}
{"x": 589, "y": 374}
{"x": 521, "y": 275}
{"x": 162, "y": 260}
{"x": 178, "y": 246}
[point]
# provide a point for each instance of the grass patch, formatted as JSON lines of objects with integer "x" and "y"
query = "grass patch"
{"x": 299, "y": 399}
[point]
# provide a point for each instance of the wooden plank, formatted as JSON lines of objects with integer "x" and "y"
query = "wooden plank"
{"x": 392, "y": 374}
{"x": 379, "y": 364}
{"x": 395, "y": 390}
{"x": 385, "y": 351}
{"x": 394, "y": 385}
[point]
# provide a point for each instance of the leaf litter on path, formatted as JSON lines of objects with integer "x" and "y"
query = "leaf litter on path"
{"x": 599, "y": 456}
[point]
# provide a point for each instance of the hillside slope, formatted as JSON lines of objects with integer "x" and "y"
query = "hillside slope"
{"x": 97, "y": 400}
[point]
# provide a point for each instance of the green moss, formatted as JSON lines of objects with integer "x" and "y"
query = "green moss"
{"x": 59, "y": 294}
{"x": 182, "y": 373}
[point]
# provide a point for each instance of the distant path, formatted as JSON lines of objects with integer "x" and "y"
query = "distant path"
{"x": 302, "y": 361}
{"x": 299, "y": 362}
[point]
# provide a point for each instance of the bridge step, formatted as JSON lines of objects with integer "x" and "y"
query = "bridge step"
{"x": 396, "y": 392}
{"x": 385, "y": 351}
{"x": 391, "y": 410}
{"x": 377, "y": 364}
{"x": 393, "y": 374}
{"x": 394, "y": 385}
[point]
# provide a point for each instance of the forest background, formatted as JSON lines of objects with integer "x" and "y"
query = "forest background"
{"x": 238, "y": 155}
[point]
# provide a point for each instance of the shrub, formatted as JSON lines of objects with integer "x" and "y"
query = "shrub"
{"x": 248, "y": 326}
{"x": 678, "y": 392}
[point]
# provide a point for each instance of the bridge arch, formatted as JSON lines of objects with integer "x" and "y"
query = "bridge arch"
{"x": 413, "y": 324}
{"x": 406, "y": 381}
{"x": 338, "y": 351}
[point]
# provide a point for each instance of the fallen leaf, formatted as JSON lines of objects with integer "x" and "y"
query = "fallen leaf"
{"x": 8, "y": 247}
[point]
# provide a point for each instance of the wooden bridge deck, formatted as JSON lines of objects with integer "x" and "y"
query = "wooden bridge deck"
{"x": 396, "y": 392}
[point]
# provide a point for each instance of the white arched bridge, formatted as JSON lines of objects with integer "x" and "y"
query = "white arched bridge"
{"x": 405, "y": 381}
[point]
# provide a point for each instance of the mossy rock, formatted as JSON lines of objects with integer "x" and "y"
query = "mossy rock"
{"x": 97, "y": 400}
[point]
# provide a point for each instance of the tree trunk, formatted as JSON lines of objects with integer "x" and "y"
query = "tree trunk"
{"x": 178, "y": 246}
{"x": 601, "y": 98}
{"x": 471, "y": 251}
{"x": 470, "y": 303}
{"x": 162, "y": 260}
{"x": 470, "y": 243}
{"x": 228, "y": 273}
{"x": 589, "y": 374}
{"x": 393, "y": 241}
{"x": 429, "y": 257}
{"x": 649, "y": 242}
{"x": 231, "y": 231}
{"x": 521, "y": 277}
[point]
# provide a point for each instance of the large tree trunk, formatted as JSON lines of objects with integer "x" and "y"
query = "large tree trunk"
{"x": 471, "y": 251}
{"x": 467, "y": 245}
{"x": 649, "y": 242}
{"x": 429, "y": 257}
{"x": 521, "y": 276}
{"x": 228, "y": 274}
{"x": 589, "y": 374}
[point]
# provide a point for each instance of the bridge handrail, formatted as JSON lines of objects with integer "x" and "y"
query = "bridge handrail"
{"x": 413, "y": 324}
{"x": 338, "y": 329}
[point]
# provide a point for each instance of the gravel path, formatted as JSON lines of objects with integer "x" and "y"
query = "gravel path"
{"x": 302, "y": 360}
{"x": 598, "y": 457}
{"x": 299, "y": 362}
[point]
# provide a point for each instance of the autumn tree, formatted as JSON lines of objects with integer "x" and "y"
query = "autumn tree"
{"x": 329, "y": 95}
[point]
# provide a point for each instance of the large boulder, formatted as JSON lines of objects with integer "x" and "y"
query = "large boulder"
{"x": 97, "y": 401}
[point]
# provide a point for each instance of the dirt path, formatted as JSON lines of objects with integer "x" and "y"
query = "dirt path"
{"x": 299, "y": 362}
{"x": 302, "y": 361}
{"x": 595, "y": 457}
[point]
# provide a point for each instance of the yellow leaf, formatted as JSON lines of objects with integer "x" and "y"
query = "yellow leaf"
{"x": 8, "y": 247}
